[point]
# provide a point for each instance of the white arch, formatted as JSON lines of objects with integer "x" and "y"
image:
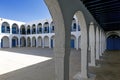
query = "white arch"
{"x": 39, "y": 41}
{"x": 33, "y": 42}
{"x": 62, "y": 32}
{"x": 22, "y": 42}
{"x": 112, "y": 33}
{"x": 5, "y": 42}
{"x": 46, "y": 41}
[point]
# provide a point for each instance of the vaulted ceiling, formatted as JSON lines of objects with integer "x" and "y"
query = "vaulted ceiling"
{"x": 106, "y": 13}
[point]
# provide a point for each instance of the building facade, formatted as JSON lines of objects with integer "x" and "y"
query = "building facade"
{"x": 34, "y": 34}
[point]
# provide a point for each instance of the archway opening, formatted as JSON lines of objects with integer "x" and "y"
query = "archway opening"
{"x": 79, "y": 57}
{"x": 113, "y": 42}
{"x": 5, "y": 42}
{"x": 46, "y": 42}
{"x": 39, "y": 41}
{"x": 22, "y": 42}
{"x": 33, "y": 42}
{"x": 14, "y": 41}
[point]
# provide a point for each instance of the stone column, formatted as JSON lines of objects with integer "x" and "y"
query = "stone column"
{"x": 31, "y": 42}
{"x": 10, "y": 42}
{"x": 43, "y": 42}
{"x": 36, "y": 29}
{"x": 19, "y": 42}
{"x": 49, "y": 28}
{"x": 97, "y": 44}
{"x": 36, "y": 42}
{"x": 92, "y": 45}
{"x": 49, "y": 42}
{"x": 100, "y": 42}
{"x": 10, "y": 29}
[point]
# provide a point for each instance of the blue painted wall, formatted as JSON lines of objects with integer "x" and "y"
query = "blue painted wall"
{"x": 113, "y": 43}
{"x": 72, "y": 43}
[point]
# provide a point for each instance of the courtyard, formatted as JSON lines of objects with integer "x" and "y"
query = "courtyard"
{"x": 33, "y": 64}
{"x": 38, "y": 64}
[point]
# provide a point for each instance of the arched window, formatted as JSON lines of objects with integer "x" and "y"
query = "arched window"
{"x": 39, "y": 28}
{"x": 22, "y": 30}
{"x": 74, "y": 26}
{"x": 28, "y": 29}
{"x": 15, "y": 29}
{"x": 33, "y": 29}
{"x": 5, "y": 27}
{"x": 46, "y": 27}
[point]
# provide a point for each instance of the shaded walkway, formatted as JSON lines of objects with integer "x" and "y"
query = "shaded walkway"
{"x": 110, "y": 66}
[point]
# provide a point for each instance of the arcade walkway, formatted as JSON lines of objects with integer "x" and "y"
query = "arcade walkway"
{"x": 110, "y": 66}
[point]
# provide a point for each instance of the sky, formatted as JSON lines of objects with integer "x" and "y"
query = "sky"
{"x": 24, "y": 10}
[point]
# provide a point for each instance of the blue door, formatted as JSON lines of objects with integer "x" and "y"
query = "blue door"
{"x": 72, "y": 43}
{"x": 51, "y": 43}
{"x": 13, "y": 43}
{"x": 113, "y": 43}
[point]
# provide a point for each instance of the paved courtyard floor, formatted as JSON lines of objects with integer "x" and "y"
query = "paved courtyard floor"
{"x": 38, "y": 64}
{"x": 32, "y": 64}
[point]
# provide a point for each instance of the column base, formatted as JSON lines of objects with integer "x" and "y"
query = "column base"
{"x": 92, "y": 65}
{"x": 79, "y": 77}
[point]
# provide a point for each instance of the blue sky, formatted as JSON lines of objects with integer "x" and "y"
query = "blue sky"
{"x": 24, "y": 10}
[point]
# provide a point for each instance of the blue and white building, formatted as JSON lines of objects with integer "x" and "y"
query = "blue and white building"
{"x": 38, "y": 33}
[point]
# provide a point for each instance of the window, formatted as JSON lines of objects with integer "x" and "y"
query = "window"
{"x": 3, "y": 29}
{"x": 40, "y": 30}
